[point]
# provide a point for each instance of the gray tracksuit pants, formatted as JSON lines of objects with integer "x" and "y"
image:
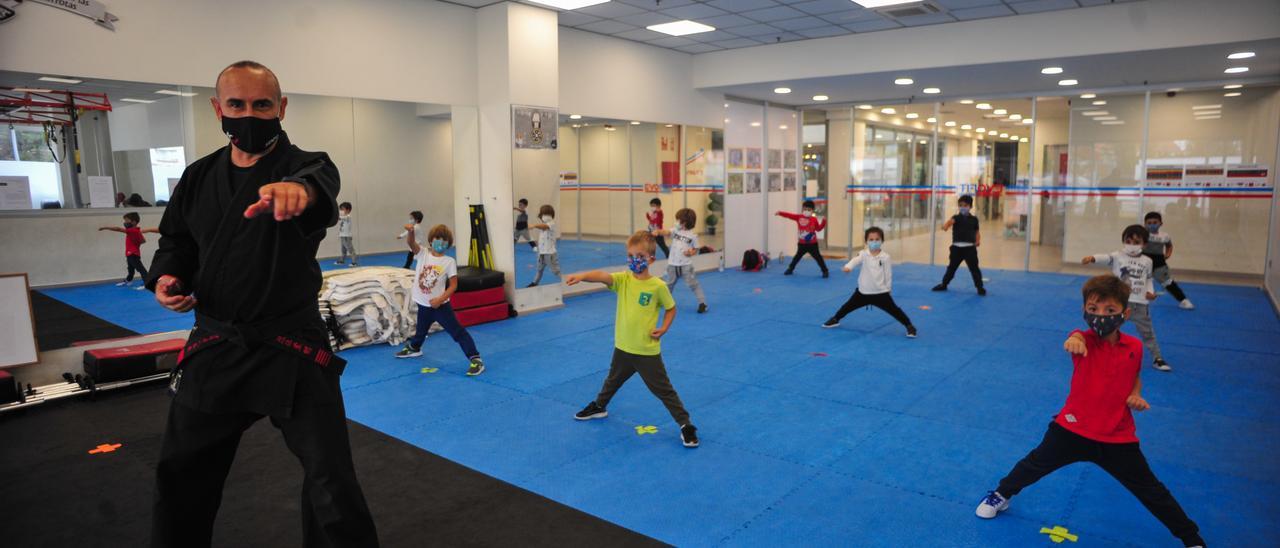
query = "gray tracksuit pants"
{"x": 674, "y": 273}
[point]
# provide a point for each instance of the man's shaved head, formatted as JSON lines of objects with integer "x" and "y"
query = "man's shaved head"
{"x": 251, "y": 69}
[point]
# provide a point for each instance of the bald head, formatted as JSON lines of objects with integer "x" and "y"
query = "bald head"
{"x": 248, "y": 88}
{"x": 248, "y": 72}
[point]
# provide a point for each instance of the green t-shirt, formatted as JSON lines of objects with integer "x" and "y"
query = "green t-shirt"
{"x": 638, "y": 304}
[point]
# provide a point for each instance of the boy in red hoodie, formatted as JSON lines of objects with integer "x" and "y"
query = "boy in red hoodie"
{"x": 1096, "y": 424}
{"x": 809, "y": 225}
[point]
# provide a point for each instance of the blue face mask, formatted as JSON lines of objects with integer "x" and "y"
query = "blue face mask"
{"x": 874, "y": 245}
{"x": 637, "y": 264}
{"x": 1153, "y": 227}
{"x": 964, "y": 210}
{"x": 439, "y": 246}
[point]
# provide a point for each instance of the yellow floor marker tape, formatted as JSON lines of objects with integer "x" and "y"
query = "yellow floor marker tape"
{"x": 642, "y": 430}
{"x": 430, "y": 369}
{"x": 1058, "y": 534}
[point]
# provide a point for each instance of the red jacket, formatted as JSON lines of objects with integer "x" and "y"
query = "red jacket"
{"x": 808, "y": 226}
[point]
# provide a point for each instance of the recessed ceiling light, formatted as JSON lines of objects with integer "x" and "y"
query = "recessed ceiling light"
{"x": 966, "y": 126}
{"x": 1206, "y": 107}
{"x": 882, "y": 3}
{"x": 820, "y": 97}
{"x": 576, "y": 126}
{"x": 1051, "y": 70}
{"x": 1024, "y": 139}
{"x": 1088, "y": 96}
{"x": 924, "y": 142}
{"x": 726, "y": 105}
{"x": 1104, "y": 118}
{"x": 1099, "y": 103}
{"x": 177, "y": 93}
{"x": 932, "y": 91}
{"x": 912, "y": 116}
{"x": 726, "y": 120}
{"x": 982, "y": 106}
{"x": 932, "y": 120}
{"x": 638, "y": 123}
{"x": 1094, "y": 113}
{"x": 966, "y": 101}
{"x": 864, "y": 107}
{"x": 888, "y": 110}
{"x": 1241, "y": 55}
{"x": 681, "y": 28}
{"x": 1004, "y": 135}
{"x": 950, "y": 123}
{"x": 1232, "y": 94}
{"x": 568, "y": 4}
{"x": 1236, "y": 70}
{"x": 608, "y": 127}
{"x": 575, "y": 116}
{"x": 755, "y": 124}
{"x": 981, "y": 130}
{"x": 1113, "y": 123}
{"x": 1233, "y": 86}
{"x": 1013, "y": 137}
{"x": 1068, "y": 82}
{"x": 782, "y": 127}
{"x": 904, "y": 81}
{"x": 1015, "y": 117}
{"x": 782, "y": 91}
{"x": 131, "y": 100}
{"x": 1000, "y": 112}
{"x": 60, "y": 80}
{"x": 32, "y": 90}
{"x": 1028, "y": 121}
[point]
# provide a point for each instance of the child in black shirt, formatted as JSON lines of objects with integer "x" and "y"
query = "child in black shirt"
{"x": 964, "y": 245}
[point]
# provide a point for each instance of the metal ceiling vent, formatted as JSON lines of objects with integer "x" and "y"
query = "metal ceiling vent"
{"x": 914, "y": 9}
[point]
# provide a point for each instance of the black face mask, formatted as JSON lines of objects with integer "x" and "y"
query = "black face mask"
{"x": 251, "y": 134}
{"x": 1103, "y": 325}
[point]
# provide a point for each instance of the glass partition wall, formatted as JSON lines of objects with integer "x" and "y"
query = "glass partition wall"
{"x": 1055, "y": 178}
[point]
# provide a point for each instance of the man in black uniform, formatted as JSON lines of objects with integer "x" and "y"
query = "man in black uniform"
{"x": 964, "y": 245}
{"x": 238, "y": 244}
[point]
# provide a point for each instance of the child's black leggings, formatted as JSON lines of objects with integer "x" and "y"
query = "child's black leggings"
{"x": 811, "y": 249}
{"x": 883, "y": 301}
{"x": 967, "y": 255}
{"x": 135, "y": 263}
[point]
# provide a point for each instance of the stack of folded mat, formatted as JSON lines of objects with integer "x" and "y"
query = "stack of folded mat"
{"x": 368, "y": 305}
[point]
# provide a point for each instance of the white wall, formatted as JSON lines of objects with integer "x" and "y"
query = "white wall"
{"x": 64, "y": 246}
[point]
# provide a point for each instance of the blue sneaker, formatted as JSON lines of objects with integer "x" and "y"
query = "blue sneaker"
{"x": 992, "y": 504}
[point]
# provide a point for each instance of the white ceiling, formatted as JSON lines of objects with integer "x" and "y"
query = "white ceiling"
{"x": 746, "y": 23}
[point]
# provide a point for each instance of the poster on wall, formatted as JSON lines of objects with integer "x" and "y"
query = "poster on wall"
{"x": 15, "y": 192}
{"x": 752, "y": 183}
{"x": 534, "y": 127}
{"x": 753, "y": 158}
{"x": 735, "y": 159}
{"x": 1201, "y": 176}
{"x": 735, "y": 183}
{"x": 789, "y": 159}
{"x": 789, "y": 181}
{"x": 569, "y": 180}
{"x": 1248, "y": 176}
{"x": 1164, "y": 176}
{"x": 775, "y": 158}
{"x": 102, "y": 192}
{"x": 775, "y": 182}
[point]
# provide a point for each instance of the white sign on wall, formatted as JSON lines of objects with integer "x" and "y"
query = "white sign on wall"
{"x": 15, "y": 192}
{"x": 173, "y": 183}
{"x": 102, "y": 191}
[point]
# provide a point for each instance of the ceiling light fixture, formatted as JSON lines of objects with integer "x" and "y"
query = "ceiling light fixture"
{"x": 1095, "y": 113}
{"x": 1233, "y": 86}
{"x": 1015, "y": 117}
{"x": 966, "y": 101}
{"x": 1000, "y": 112}
{"x": 1024, "y": 139}
{"x": 912, "y": 116}
{"x": 177, "y": 93}
{"x": 782, "y": 127}
{"x": 1028, "y": 121}
{"x": 1099, "y": 103}
{"x": 1013, "y": 137}
{"x": 882, "y": 3}
{"x": 1103, "y": 118}
{"x": 820, "y": 97}
{"x": 1088, "y": 96}
{"x": 982, "y": 106}
{"x": 966, "y": 126}
{"x": 637, "y": 123}
{"x": 992, "y": 132}
{"x": 981, "y": 130}
{"x": 1004, "y": 135}
{"x": 575, "y": 116}
{"x": 932, "y": 91}
{"x": 1206, "y": 107}
{"x": 1114, "y": 123}
{"x": 681, "y": 28}
{"x": 1236, "y": 70}
{"x": 888, "y": 110}
{"x": 1051, "y": 70}
{"x": 143, "y": 101}
{"x": 1068, "y": 82}
{"x": 60, "y": 80}
{"x": 755, "y": 124}
{"x": 904, "y": 81}
{"x": 568, "y": 4}
{"x": 950, "y": 123}
{"x": 864, "y": 107}
{"x": 1241, "y": 55}
{"x": 782, "y": 91}
{"x": 1232, "y": 94}
{"x": 32, "y": 90}
{"x": 932, "y": 120}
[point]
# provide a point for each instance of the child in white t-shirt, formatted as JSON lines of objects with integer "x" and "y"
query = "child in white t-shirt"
{"x": 346, "y": 235}
{"x": 875, "y": 281}
{"x": 434, "y": 282}
{"x": 1136, "y": 270}
{"x": 684, "y": 245}
{"x": 547, "y": 236}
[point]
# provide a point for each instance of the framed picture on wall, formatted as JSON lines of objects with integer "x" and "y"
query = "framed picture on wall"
{"x": 775, "y": 158}
{"x": 534, "y": 127}
{"x": 735, "y": 159}
{"x": 753, "y": 158}
{"x": 775, "y": 182}
{"x": 789, "y": 181}
{"x": 753, "y": 182}
{"x": 789, "y": 159}
{"x": 735, "y": 183}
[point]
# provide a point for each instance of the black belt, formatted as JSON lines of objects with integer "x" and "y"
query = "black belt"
{"x": 212, "y": 331}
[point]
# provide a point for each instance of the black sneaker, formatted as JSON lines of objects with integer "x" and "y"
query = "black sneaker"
{"x": 476, "y": 368}
{"x": 911, "y": 331}
{"x": 689, "y": 435}
{"x": 409, "y": 352}
{"x": 825, "y": 274}
{"x": 702, "y": 308}
{"x": 787, "y": 273}
{"x": 940, "y": 287}
{"x": 1161, "y": 365}
{"x": 534, "y": 284}
{"x": 831, "y": 323}
{"x": 591, "y": 411}
{"x": 982, "y": 292}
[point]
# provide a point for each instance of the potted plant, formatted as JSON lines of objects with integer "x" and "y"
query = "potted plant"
{"x": 714, "y": 203}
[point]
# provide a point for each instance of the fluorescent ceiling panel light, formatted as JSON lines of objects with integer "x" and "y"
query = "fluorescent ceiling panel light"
{"x": 610, "y": 128}
{"x": 726, "y": 120}
{"x": 992, "y": 132}
{"x": 681, "y": 28}
{"x": 1068, "y": 82}
{"x": 950, "y": 123}
{"x": 904, "y": 81}
{"x": 932, "y": 91}
{"x": 177, "y": 93}
{"x": 924, "y": 142}
{"x": 932, "y": 120}
{"x": 1206, "y": 107}
{"x": 782, "y": 91}
{"x": 782, "y": 127}
{"x": 912, "y": 116}
{"x": 1104, "y": 118}
{"x": 966, "y": 101}
{"x": 1000, "y": 112}
{"x": 32, "y": 90}
{"x": 1232, "y": 94}
{"x": 1088, "y": 96}
{"x": 575, "y": 116}
{"x": 1004, "y": 135}
{"x": 966, "y": 126}
{"x": 1015, "y": 117}
{"x": 1241, "y": 55}
{"x": 981, "y": 130}
{"x": 1028, "y": 121}
{"x": 144, "y": 101}
{"x": 635, "y": 123}
{"x": 1095, "y": 113}
{"x": 1051, "y": 70}
{"x": 888, "y": 110}
{"x": 60, "y": 80}
{"x": 982, "y": 106}
{"x": 1233, "y": 86}
{"x": 1236, "y": 70}
{"x": 1024, "y": 139}
{"x": 755, "y": 124}
{"x": 1113, "y": 123}
{"x": 882, "y": 3}
{"x": 864, "y": 107}
{"x": 568, "y": 4}
{"x": 820, "y": 97}
{"x": 1013, "y": 137}
{"x": 1099, "y": 103}
{"x": 576, "y": 126}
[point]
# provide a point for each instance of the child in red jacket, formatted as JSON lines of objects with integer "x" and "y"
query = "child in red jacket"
{"x": 809, "y": 225}
{"x": 133, "y": 240}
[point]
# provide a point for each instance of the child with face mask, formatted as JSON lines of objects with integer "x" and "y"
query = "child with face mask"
{"x": 1096, "y": 423}
{"x": 346, "y": 235}
{"x": 641, "y": 298}
{"x": 808, "y": 226}
{"x": 522, "y": 224}
{"x": 1160, "y": 249}
{"x": 964, "y": 245}
{"x": 547, "y": 236}
{"x": 434, "y": 282}
{"x": 654, "y": 217}
{"x": 133, "y": 240}
{"x": 680, "y": 264}
{"x": 1135, "y": 269}
{"x": 875, "y": 281}
{"x": 415, "y": 219}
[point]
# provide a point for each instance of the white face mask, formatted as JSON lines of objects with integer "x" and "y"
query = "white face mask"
{"x": 808, "y": 213}
{"x": 547, "y": 218}
{"x": 653, "y": 208}
{"x": 1132, "y": 250}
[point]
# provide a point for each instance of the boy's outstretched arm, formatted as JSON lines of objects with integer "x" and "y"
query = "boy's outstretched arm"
{"x": 111, "y": 228}
{"x": 150, "y": 231}
{"x": 947, "y": 225}
{"x": 1075, "y": 345}
{"x": 412, "y": 239}
{"x": 597, "y": 276}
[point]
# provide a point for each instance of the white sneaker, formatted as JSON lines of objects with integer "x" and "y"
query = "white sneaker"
{"x": 123, "y": 284}
{"x": 140, "y": 287}
{"x": 991, "y": 505}
{"x": 1186, "y": 305}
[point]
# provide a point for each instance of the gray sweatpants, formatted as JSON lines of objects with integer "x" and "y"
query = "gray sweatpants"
{"x": 348, "y": 248}
{"x": 1140, "y": 317}
{"x": 652, "y": 372}
{"x": 1162, "y": 275}
{"x": 552, "y": 259}
{"x": 674, "y": 273}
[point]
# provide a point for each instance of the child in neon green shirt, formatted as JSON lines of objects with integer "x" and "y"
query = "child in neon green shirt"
{"x": 637, "y": 348}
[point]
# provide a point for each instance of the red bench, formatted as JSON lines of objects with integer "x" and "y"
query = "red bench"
{"x": 131, "y": 361}
{"x": 481, "y": 306}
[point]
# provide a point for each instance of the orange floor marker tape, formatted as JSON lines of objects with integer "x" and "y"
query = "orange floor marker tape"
{"x": 925, "y": 307}
{"x": 105, "y": 448}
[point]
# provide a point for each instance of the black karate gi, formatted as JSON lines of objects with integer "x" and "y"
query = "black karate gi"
{"x": 253, "y": 280}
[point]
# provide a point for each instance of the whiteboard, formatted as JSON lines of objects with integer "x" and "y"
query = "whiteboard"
{"x": 17, "y": 322}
